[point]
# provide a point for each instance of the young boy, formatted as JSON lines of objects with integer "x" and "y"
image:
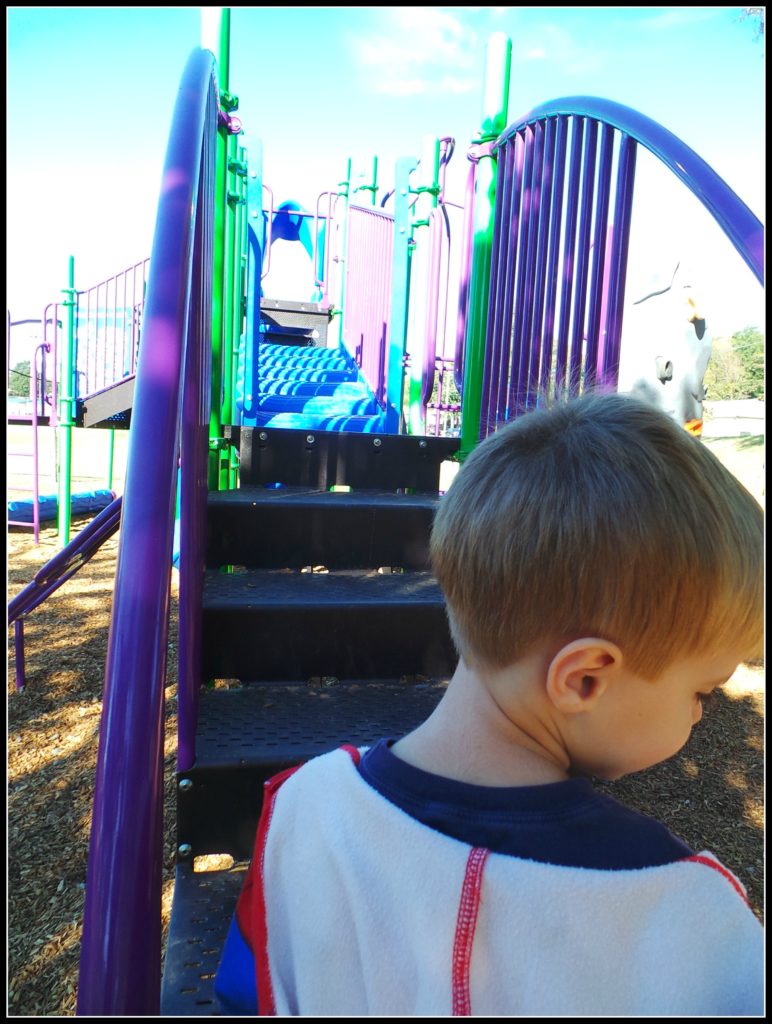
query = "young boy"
{"x": 603, "y": 574}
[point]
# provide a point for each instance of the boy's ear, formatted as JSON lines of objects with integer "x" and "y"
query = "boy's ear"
{"x": 580, "y": 673}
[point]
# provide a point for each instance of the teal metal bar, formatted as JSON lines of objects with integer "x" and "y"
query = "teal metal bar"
{"x": 335, "y": 329}
{"x": 400, "y": 283}
{"x": 66, "y": 410}
{"x": 495, "y": 102}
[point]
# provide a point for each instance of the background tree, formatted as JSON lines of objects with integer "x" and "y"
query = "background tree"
{"x": 736, "y": 367}
{"x": 18, "y": 380}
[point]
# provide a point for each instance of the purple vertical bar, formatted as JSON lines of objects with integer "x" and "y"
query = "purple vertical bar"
{"x": 556, "y": 220}
{"x": 583, "y": 256}
{"x": 465, "y": 269}
{"x": 510, "y": 273}
{"x": 598, "y": 256}
{"x": 18, "y": 650}
{"x": 542, "y": 239}
{"x": 568, "y": 255}
{"x": 609, "y": 374}
{"x": 524, "y": 272}
{"x": 496, "y": 314}
{"x": 526, "y": 304}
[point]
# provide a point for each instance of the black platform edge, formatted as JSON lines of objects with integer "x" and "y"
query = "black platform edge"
{"x": 110, "y": 407}
{"x": 323, "y": 459}
{"x": 202, "y": 908}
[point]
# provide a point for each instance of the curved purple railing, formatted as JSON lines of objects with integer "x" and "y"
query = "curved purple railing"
{"x": 121, "y": 950}
{"x": 738, "y": 222}
{"x": 557, "y": 272}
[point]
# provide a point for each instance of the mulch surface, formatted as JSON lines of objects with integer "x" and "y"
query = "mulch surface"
{"x": 710, "y": 794}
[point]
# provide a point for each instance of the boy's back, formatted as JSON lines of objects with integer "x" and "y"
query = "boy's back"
{"x": 464, "y": 868}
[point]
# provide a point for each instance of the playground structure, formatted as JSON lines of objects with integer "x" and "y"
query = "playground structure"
{"x": 293, "y": 434}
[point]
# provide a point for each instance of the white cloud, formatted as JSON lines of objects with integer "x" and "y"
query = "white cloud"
{"x": 410, "y": 49}
{"x": 680, "y": 16}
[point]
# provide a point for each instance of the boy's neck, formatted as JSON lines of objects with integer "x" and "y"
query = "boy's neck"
{"x": 471, "y": 738}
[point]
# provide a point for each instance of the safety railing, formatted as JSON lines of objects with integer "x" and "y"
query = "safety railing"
{"x": 554, "y": 313}
{"x": 109, "y": 323}
{"x": 121, "y": 949}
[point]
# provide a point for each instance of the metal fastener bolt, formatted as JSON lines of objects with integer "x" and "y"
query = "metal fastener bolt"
{"x": 377, "y": 442}
{"x": 185, "y": 850}
{"x": 263, "y": 435}
{"x": 422, "y": 444}
{"x": 186, "y": 785}
{"x": 310, "y": 439}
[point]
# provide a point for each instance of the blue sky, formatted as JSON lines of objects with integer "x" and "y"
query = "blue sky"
{"x": 91, "y": 91}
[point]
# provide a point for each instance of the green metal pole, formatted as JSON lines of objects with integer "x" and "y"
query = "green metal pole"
{"x": 495, "y": 99}
{"x": 215, "y": 36}
{"x": 66, "y": 418}
{"x": 110, "y": 459}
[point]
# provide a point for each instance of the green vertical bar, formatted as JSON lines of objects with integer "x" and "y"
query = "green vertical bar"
{"x": 110, "y": 459}
{"x": 66, "y": 401}
{"x": 495, "y": 100}
{"x": 216, "y": 37}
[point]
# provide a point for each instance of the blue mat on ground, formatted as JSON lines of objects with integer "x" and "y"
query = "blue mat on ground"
{"x": 81, "y": 504}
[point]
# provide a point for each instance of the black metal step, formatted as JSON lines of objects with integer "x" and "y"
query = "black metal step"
{"x": 202, "y": 909}
{"x": 246, "y": 735}
{"x": 322, "y": 459}
{"x": 268, "y": 528}
{"x": 351, "y": 624}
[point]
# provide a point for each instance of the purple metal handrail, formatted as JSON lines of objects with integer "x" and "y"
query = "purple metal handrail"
{"x": 464, "y": 279}
{"x": 42, "y": 348}
{"x": 738, "y": 222}
{"x": 57, "y": 571}
{"x": 120, "y": 958}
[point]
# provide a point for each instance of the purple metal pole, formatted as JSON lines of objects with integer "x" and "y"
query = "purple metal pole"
{"x": 568, "y": 255}
{"x": 509, "y": 194}
{"x": 467, "y": 239}
{"x": 545, "y": 199}
{"x": 526, "y": 306}
{"x": 120, "y": 958}
{"x": 583, "y": 256}
{"x": 598, "y": 256}
{"x": 609, "y": 373}
{"x": 556, "y": 219}
{"x": 18, "y": 650}
{"x": 526, "y": 214}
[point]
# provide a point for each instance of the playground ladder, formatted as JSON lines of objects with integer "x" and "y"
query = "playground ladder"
{"x": 312, "y": 659}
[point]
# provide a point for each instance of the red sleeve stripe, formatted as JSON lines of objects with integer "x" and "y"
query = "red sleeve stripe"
{"x": 265, "y": 1001}
{"x": 466, "y": 924}
{"x": 708, "y": 862}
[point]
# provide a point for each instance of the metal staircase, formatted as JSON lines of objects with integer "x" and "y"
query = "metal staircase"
{"x": 324, "y": 626}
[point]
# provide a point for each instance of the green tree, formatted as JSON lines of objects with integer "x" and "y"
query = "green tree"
{"x": 749, "y": 346}
{"x": 736, "y": 367}
{"x": 18, "y": 379}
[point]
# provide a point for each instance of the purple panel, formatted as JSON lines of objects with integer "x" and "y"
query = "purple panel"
{"x": 598, "y": 256}
{"x": 367, "y": 295}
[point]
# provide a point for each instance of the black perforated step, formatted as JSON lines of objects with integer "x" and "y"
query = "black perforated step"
{"x": 201, "y": 913}
{"x": 269, "y": 529}
{"x": 352, "y": 624}
{"x": 247, "y": 734}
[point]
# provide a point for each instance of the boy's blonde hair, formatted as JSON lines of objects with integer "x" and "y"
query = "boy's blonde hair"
{"x": 599, "y": 517}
